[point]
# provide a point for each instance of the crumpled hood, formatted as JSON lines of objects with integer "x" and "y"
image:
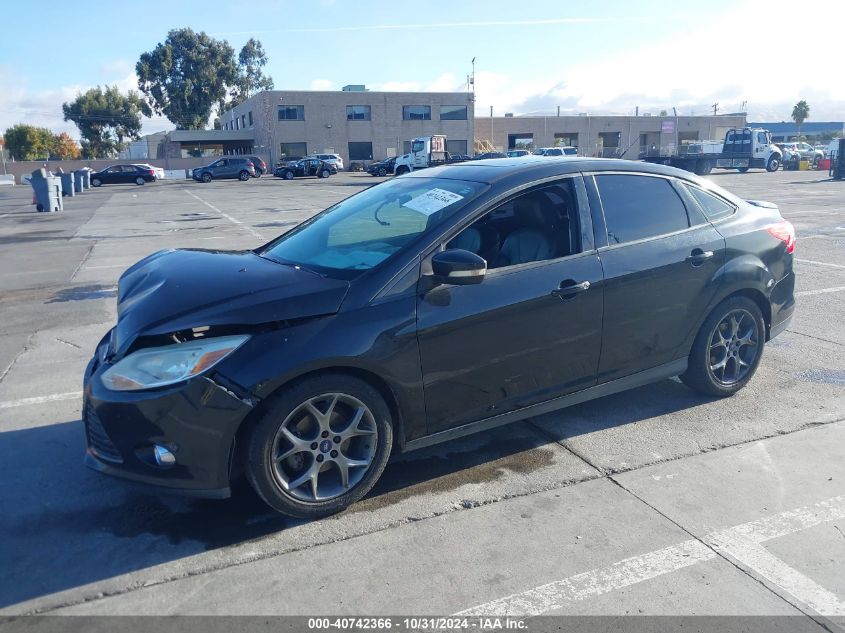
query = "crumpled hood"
{"x": 175, "y": 290}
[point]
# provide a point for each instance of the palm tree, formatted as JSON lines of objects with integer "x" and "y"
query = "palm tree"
{"x": 800, "y": 113}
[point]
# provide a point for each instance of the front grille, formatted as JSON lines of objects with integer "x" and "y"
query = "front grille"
{"x": 98, "y": 439}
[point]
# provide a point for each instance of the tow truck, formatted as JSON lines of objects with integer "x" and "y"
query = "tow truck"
{"x": 742, "y": 149}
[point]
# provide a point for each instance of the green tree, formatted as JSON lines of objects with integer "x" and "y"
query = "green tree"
{"x": 251, "y": 78}
{"x": 27, "y": 142}
{"x": 800, "y": 113}
{"x": 184, "y": 77}
{"x": 106, "y": 119}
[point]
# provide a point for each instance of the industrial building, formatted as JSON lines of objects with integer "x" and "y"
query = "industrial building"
{"x": 362, "y": 125}
{"x": 358, "y": 124}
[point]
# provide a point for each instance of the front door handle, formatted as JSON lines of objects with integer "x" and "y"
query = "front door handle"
{"x": 697, "y": 257}
{"x": 569, "y": 288}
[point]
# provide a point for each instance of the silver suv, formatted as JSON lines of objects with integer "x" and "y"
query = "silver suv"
{"x": 334, "y": 159}
{"x": 229, "y": 167}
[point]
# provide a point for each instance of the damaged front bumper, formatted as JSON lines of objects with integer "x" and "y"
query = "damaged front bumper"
{"x": 195, "y": 422}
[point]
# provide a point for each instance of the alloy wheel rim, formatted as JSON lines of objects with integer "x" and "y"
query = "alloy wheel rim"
{"x": 324, "y": 447}
{"x": 734, "y": 345}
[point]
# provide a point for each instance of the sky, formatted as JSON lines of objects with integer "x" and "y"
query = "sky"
{"x": 532, "y": 56}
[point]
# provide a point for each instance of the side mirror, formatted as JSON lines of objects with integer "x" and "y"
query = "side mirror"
{"x": 458, "y": 267}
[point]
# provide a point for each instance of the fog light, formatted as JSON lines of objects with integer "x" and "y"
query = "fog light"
{"x": 164, "y": 457}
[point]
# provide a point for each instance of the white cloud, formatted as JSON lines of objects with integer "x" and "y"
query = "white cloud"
{"x": 322, "y": 84}
{"x": 684, "y": 70}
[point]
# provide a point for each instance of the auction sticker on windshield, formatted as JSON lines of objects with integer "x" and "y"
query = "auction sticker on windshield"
{"x": 432, "y": 201}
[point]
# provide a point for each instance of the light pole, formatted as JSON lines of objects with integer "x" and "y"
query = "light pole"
{"x": 3, "y": 156}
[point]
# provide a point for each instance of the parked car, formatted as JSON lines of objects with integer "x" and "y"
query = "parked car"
{"x": 117, "y": 174}
{"x": 517, "y": 153}
{"x": 259, "y": 164}
{"x": 790, "y": 153}
{"x": 805, "y": 151}
{"x": 230, "y": 167}
{"x": 158, "y": 171}
{"x": 490, "y": 155}
{"x": 425, "y": 308}
{"x": 556, "y": 151}
{"x": 306, "y": 167}
{"x": 334, "y": 159}
{"x": 456, "y": 158}
{"x": 382, "y": 167}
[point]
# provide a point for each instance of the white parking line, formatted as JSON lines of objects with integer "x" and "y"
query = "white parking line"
{"x": 820, "y": 291}
{"x": 227, "y": 216}
{"x": 54, "y": 397}
{"x": 812, "y": 261}
{"x": 741, "y": 542}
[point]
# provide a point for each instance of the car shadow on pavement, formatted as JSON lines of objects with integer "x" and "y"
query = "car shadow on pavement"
{"x": 63, "y": 525}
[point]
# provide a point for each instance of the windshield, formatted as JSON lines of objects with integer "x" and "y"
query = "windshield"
{"x": 363, "y": 231}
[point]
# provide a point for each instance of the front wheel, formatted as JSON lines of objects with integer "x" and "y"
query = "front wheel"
{"x": 727, "y": 348}
{"x": 402, "y": 170}
{"x": 206, "y": 177}
{"x": 382, "y": 172}
{"x": 288, "y": 175}
{"x": 96, "y": 182}
{"x": 321, "y": 446}
{"x": 244, "y": 176}
{"x": 773, "y": 164}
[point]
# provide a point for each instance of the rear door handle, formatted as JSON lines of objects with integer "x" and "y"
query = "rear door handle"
{"x": 698, "y": 256}
{"x": 569, "y": 288}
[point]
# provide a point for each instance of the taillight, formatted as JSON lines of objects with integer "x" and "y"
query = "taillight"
{"x": 785, "y": 232}
{"x": 250, "y": 165}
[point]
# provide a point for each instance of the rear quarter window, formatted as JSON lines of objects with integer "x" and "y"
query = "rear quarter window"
{"x": 639, "y": 207}
{"x": 713, "y": 206}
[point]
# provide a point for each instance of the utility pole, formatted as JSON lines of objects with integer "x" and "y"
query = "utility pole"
{"x": 715, "y": 108}
{"x": 472, "y": 76}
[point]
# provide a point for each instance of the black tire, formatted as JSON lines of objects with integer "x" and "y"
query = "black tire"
{"x": 402, "y": 169}
{"x": 288, "y": 175}
{"x": 742, "y": 170}
{"x": 96, "y": 182}
{"x": 206, "y": 177}
{"x": 139, "y": 181}
{"x": 382, "y": 172}
{"x": 325, "y": 173}
{"x": 773, "y": 164}
{"x": 244, "y": 176}
{"x": 266, "y": 473}
{"x": 703, "y": 167}
{"x": 39, "y": 207}
{"x": 700, "y": 374}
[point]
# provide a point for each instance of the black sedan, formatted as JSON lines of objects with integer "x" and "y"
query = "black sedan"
{"x": 304, "y": 168}
{"x": 382, "y": 167}
{"x": 445, "y": 302}
{"x": 124, "y": 174}
{"x": 486, "y": 155}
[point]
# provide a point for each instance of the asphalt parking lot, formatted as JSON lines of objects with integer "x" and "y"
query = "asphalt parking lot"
{"x": 656, "y": 501}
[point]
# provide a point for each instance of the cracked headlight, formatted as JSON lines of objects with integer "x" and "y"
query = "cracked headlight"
{"x": 160, "y": 366}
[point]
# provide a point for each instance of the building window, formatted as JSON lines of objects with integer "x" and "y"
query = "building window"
{"x": 453, "y": 113}
{"x": 360, "y": 150}
{"x": 294, "y": 150}
{"x": 292, "y": 113}
{"x": 456, "y": 146}
{"x": 358, "y": 113}
{"x": 237, "y": 123}
{"x": 416, "y": 113}
{"x": 243, "y": 121}
{"x": 521, "y": 141}
{"x": 566, "y": 139}
{"x": 250, "y": 118}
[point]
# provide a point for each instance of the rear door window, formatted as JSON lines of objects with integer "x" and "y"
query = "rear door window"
{"x": 638, "y": 207}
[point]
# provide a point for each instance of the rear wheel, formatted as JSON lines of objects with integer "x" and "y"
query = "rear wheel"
{"x": 320, "y": 447}
{"x": 325, "y": 173}
{"x": 773, "y": 164}
{"x": 742, "y": 170}
{"x": 727, "y": 349}
{"x": 703, "y": 167}
{"x": 244, "y": 176}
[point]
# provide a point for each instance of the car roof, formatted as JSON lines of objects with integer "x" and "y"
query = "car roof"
{"x": 530, "y": 168}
